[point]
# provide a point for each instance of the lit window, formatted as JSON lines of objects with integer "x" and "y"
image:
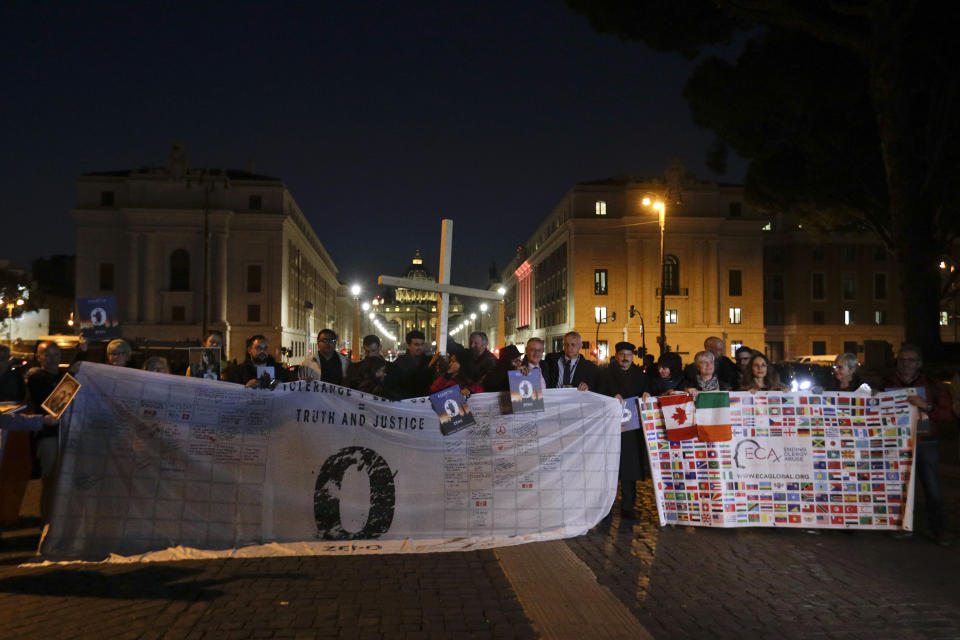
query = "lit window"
{"x": 944, "y": 318}
{"x": 603, "y": 351}
{"x": 600, "y": 314}
{"x": 848, "y": 316}
{"x": 880, "y": 317}
{"x": 736, "y": 344}
{"x": 601, "y": 207}
{"x": 670, "y": 316}
{"x": 734, "y": 315}
{"x": 600, "y": 282}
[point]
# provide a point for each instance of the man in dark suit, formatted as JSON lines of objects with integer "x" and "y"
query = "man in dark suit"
{"x": 570, "y": 369}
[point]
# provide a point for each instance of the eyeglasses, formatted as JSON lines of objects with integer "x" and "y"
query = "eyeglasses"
{"x": 909, "y": 359}
{"x": 328, "y": 340}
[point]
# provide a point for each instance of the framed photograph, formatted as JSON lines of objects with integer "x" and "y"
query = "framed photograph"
{"x": 452, "y": 409}
{"x": 61, "y": 397}
{"x": 526, "y": 392}
{"x": 205, "y": 363}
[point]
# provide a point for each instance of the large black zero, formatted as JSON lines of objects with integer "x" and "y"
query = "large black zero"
{"x": 326, "y": 497}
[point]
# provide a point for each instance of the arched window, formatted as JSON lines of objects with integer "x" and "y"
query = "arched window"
{"x": 180, "y": 270}
{"x": 671, "y": 276}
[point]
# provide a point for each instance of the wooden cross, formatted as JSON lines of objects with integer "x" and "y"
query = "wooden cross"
{"x": 442, "y": 286}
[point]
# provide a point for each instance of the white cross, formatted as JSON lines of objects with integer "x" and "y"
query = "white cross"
{"x": 442, "y": 286}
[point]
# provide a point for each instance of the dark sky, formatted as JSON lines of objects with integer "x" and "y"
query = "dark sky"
{"x": 381, "y": 118}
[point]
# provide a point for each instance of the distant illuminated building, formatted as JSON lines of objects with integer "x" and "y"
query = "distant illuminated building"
{"x": 401, "y": 310}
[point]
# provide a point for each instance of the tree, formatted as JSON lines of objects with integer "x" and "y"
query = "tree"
{"x": 846, "y": 110}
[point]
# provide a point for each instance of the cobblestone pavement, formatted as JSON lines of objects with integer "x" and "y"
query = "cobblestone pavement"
{"x": 679, "y": 582}
{"x": 437, "y": 596}
{"x": 687, "y": 582}
{"x": 440, "y": 595}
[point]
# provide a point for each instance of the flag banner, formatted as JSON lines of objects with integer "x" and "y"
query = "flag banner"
{"x": 161, "y": 467}
{"x": 713, "y": 416}
{"x": 836, "y": 460}
{"x": 678, "y": 413}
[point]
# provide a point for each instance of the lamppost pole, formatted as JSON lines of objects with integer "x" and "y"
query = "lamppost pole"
{"x": 355, "y": 352}
{"x": 663, "y": 297}
{"x": 501, "y": 324}
{"x": 660, "y": 206}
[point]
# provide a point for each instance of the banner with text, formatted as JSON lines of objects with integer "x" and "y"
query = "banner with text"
{"x": 836, "y": 460}
{"x": 177, "y": 467}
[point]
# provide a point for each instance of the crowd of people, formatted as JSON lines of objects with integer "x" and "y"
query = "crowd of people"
{"x": 475, "y": 368}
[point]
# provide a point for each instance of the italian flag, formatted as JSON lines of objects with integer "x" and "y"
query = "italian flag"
{"x": 678, "y": 416}
{"x": 713, "y": 416}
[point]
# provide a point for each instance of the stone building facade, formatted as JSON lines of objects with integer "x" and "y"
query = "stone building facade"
{"x": 140, "y": 238}
{"x": 596, "y": 256}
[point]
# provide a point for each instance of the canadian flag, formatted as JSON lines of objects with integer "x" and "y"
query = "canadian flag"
{"x": 678, "y": 413}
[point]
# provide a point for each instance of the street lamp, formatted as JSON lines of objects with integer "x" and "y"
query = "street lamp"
{"x": 10, "y": 306}
{"x": 355, "y": 290}
{"x": 660, "y": 207}
{"x": 501, "y": 330}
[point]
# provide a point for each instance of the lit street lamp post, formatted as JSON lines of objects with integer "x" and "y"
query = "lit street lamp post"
{"x": 355, "y": 290}
{"x": 660, "y": 206}
{"x": 501, "y": 339}
{"x": 10, "y": 306}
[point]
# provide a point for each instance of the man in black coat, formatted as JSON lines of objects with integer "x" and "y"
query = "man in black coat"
{"x": 411, "y": 374}
{"x": 255, "y": 370}
{"x": 623, "y": 379}
{"x": 570, "y": 369}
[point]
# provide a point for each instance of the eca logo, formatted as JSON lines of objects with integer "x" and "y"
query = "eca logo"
{"x": 750, "y": 451}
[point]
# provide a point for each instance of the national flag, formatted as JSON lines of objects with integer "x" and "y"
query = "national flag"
{"x": 678, "y": 416}
{"x": 713, "y": 416}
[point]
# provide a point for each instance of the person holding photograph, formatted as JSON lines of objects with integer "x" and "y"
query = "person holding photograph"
{"x": 212, "y": 340}
{"x": 255, "y": 370}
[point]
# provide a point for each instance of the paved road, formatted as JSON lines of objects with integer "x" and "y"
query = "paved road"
{"x": 687, "y": 582}
{"x": 679, "y": 582}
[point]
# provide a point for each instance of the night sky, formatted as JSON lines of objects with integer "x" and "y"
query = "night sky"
{"x": 381, "y": 118}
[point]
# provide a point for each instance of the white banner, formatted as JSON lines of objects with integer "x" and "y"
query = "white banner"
{"x": 836, "y": 460}
{"x": 160, "y": 467}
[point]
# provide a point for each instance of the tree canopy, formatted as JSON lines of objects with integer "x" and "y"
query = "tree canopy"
{"x": 846, "y": 110}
